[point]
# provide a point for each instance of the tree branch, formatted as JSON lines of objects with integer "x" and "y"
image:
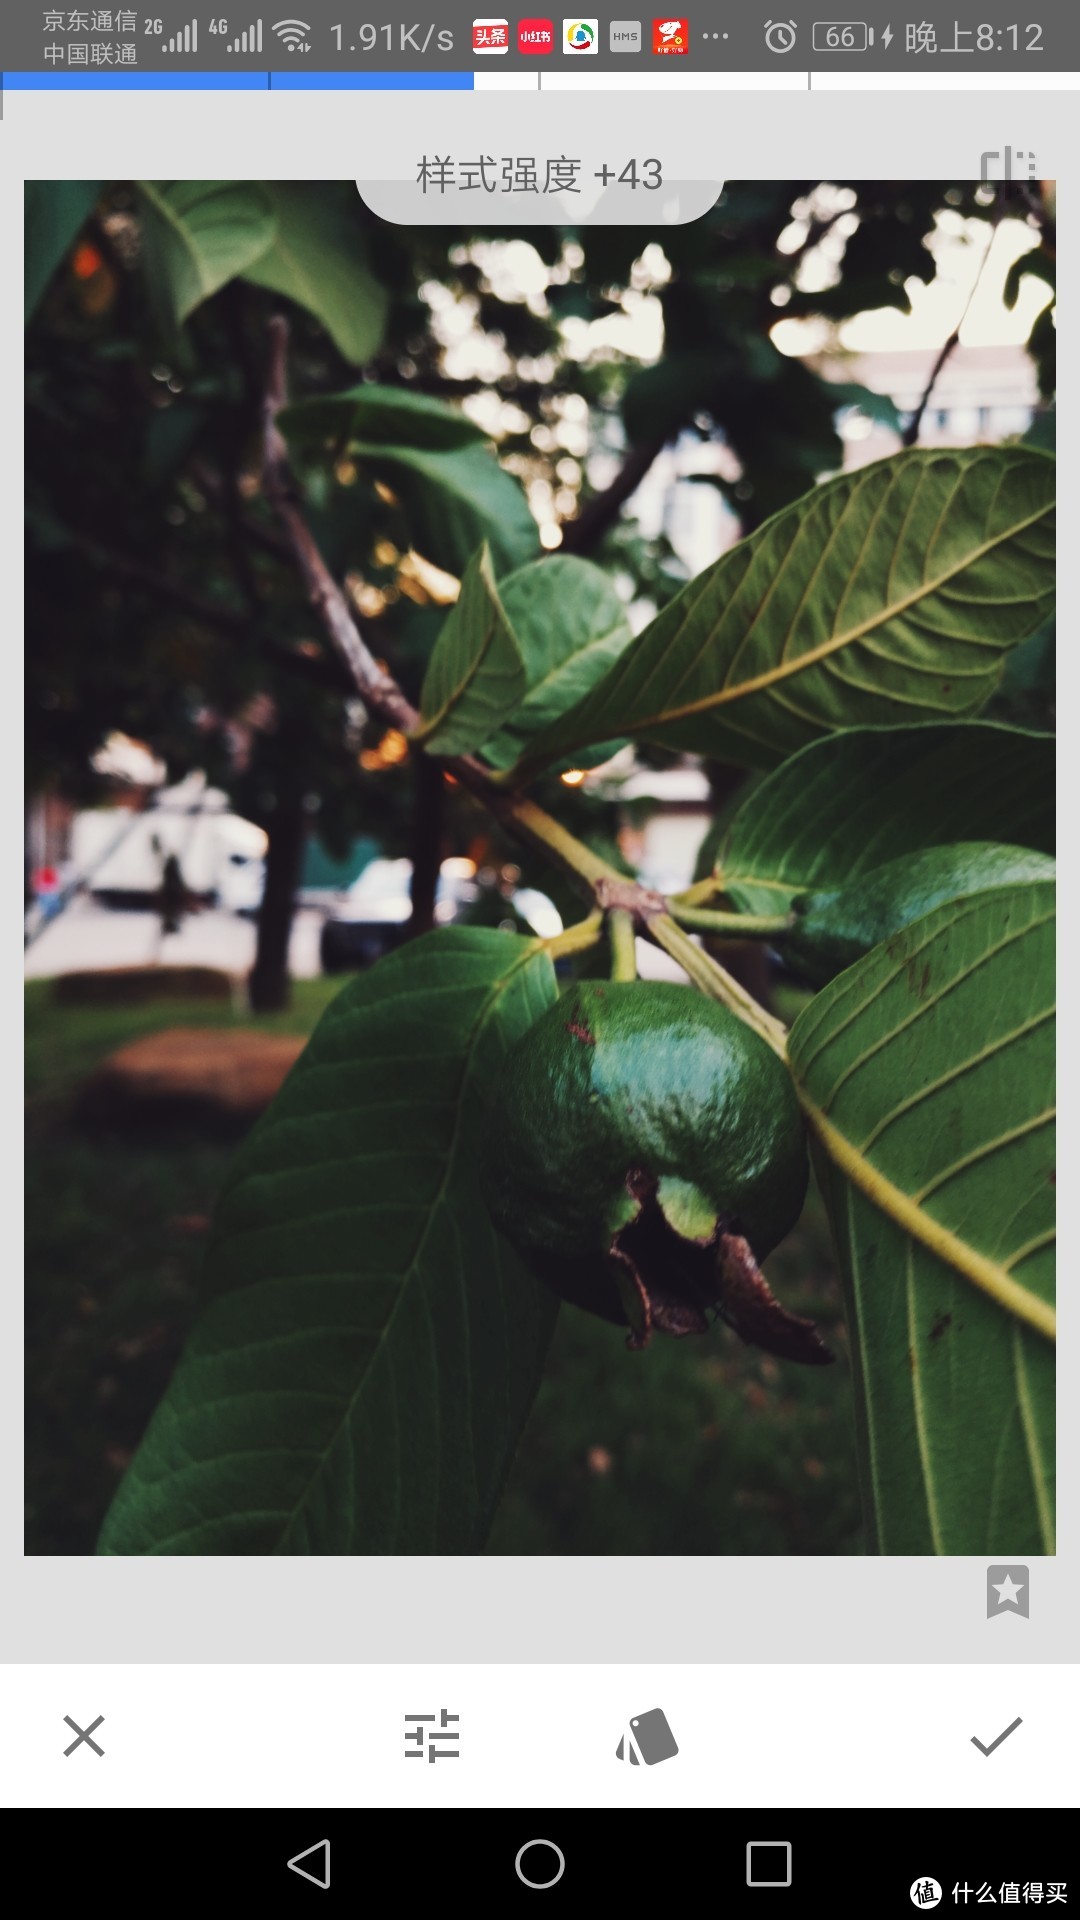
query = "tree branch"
{"x": 227, "y": 621}
{"x": 584, "y": 534}
{"x": 910, "y": 435}
{"x": 136, "y": 573}
{"x": 379, "y": 692}
{"x": 427, "y": 825}
{"x": 600, "y": 883}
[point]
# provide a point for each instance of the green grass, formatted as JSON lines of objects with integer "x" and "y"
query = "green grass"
{"x": 115, "y": 1230}
{"x": 695, "y": 1445}
{"x": 692, "y": 1447}
{"x": 64, "y": 1044}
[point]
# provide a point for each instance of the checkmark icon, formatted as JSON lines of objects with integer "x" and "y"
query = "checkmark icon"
{"x": 996, "y": 1743}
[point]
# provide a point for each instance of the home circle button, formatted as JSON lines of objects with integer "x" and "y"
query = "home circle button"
{"x": 540, "y": 1864}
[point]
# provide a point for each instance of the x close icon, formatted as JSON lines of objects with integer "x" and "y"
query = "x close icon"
{"x": 84, "y": 1736}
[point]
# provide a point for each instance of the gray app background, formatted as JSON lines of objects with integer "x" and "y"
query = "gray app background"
{"x": 858, "y": 1610}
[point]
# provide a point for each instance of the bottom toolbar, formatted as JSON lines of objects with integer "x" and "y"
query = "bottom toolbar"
{"x": 622, "y": 1737}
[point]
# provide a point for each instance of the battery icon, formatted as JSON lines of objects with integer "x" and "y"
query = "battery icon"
{"x": 842, "y": 36}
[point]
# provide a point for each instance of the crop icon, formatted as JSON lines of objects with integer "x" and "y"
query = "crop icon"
{"x": 292, "y": 32}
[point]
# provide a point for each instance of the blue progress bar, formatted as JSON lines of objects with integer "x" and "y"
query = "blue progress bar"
{"x": 292, "y": 82}
{"x": 295, "y": 81}
{"x": 132, "y": 82}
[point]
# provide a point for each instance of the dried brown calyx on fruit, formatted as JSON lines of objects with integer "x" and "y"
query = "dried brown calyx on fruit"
{"x": 644, "y": 1153}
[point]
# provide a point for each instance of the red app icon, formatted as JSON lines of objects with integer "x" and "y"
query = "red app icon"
{"x": 536, "y": 36}
{"x": 671, "y": 36}
{"x": 491, "y": 35}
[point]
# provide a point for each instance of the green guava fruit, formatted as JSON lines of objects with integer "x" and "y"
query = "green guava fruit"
{"x": 643, "y": 1152}
{"x": 835, "y": 928}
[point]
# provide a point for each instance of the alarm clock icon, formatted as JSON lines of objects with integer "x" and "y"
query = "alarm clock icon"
{"x": 779, "y": 35}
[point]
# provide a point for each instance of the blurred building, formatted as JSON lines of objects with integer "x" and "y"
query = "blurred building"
{"x": 983, "y": 395}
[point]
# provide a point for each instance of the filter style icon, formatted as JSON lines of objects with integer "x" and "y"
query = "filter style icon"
{"x": 250, "y": 41}
{"x": 648, "y": 1738}
{"x": 185, "y": 42}
{"x": 291, "y": 34}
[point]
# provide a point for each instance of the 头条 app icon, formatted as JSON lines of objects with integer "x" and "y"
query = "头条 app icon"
{"x": 491, "y": 36}
{"x": 536, "y": 36}
{"x": 579, "y": 36}
{"x": 671, "y": 36}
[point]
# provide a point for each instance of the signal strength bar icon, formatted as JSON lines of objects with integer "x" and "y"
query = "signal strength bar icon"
{"x": 186, "y": 42}
{"x": 292, "y": 33}
{"x": 250, "y": 41}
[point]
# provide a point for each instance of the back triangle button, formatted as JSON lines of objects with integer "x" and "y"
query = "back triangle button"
{"x": 320, "y": 1878}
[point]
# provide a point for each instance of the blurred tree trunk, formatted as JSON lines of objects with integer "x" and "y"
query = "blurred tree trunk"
{"x": 427, "y": 838}
{"x": 268, "y": 983}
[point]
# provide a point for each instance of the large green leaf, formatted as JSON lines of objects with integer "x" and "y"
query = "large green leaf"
{"x": 571, "y": 625}
{"x": 197, "y": 235}
{"x": 452, "y": 490}
{"x": 54, "y": 211}
{"x": 476, "y": 674}
{"x": 318, "y": 259}
{"x": 926, "y": 1072}
{"x": 380, "y": 416}
{"x": 854, "y": 800}
{"x": 452, "y": 501}
{"x": 362, "y": 1373}
{"x": 887, "y": 595}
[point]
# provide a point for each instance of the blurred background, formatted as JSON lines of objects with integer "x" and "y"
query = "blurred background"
{"x": 215, "y": 835}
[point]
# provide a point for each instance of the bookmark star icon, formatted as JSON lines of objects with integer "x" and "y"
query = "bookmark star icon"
{"x": 1007, "y": 1591}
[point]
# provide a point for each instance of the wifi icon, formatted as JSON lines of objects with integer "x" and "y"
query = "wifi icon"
{"x": 292, "y": 33}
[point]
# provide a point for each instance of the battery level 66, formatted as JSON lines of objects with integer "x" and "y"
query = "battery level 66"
{"x": 842, "y": 36}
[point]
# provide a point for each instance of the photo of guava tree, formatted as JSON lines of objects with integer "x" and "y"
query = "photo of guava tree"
{"x": 488, "y": 1123}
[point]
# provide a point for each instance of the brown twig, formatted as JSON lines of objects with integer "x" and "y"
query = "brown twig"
{"x": 600, "y": 883}
{"x": 429, "y": 795}
{"x": 226, "y": 621}
{"x": 584, "y": 534}
{"x": 379, "y": 692}
{"x": 910, "y": 435}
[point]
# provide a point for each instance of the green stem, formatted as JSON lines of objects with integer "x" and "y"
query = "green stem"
{"x": 623, "y": 944}
{"x": 736, "y": 926}
{"x": 576, "y": 939}
{"x": 700, "y": 893}
{"x": 711, "y": 978}
{"x": 565, "y": 848}
{"x": 524, "y": 816}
